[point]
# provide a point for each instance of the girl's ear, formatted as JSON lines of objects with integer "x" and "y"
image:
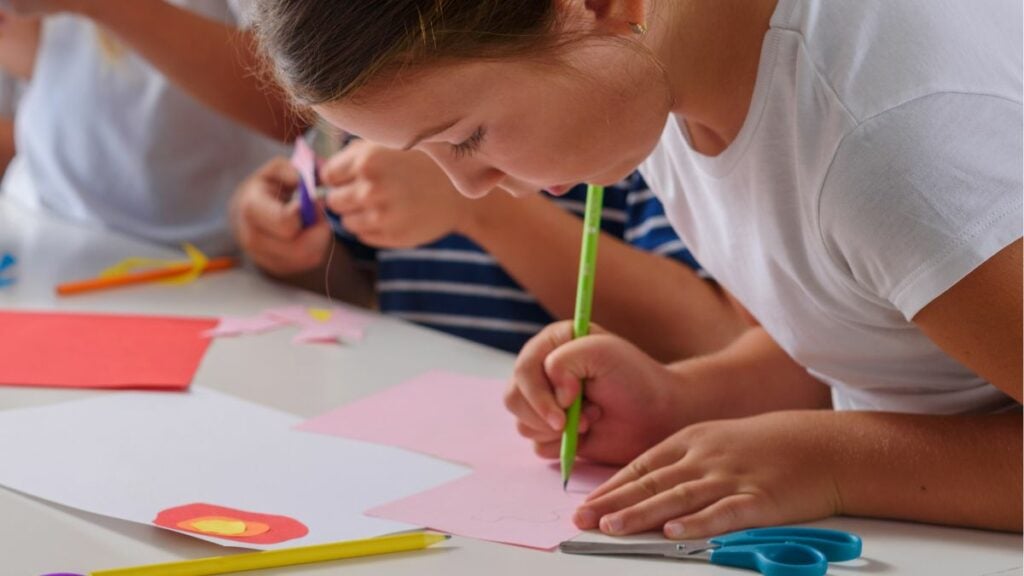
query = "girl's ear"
{"x": 617, "y": 16}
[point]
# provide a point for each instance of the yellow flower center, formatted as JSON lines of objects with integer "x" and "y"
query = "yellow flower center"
{"x": 320, "y": 314}
{"x": 219, "y": 527}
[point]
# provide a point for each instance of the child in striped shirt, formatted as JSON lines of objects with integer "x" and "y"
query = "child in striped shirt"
{"x": 409, "y": 241}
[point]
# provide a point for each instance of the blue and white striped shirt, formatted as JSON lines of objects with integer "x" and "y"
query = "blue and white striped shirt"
{"x": 454, "y": 286}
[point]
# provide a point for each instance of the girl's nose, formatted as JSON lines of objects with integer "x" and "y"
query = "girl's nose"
{"x": 473, "y": 180}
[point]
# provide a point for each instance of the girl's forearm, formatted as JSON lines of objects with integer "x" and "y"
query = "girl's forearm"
{"x": 962, "y": 470}
{"x": 750, "y": 376}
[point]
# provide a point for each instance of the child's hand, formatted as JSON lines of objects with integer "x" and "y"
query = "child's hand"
{"x": 268, "y": 227}
{"x": 391, "y": 198}
{"x": 722, "y": 476}
{"x": 631, "y": 402}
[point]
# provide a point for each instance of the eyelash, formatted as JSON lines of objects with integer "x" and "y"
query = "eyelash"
{"x": 470, "y": 145}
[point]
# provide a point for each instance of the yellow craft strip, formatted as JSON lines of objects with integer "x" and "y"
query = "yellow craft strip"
{"x": 134, "y": 263}
{"x": 196, "y": 258}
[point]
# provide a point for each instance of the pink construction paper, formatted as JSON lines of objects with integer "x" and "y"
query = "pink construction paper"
{"x": 241, "y": 325}
{"x": 343, "y": 325}
{"x": 513, "y": 496}
{"x": 451, "y": 416}
{"x": 524, "y": 506}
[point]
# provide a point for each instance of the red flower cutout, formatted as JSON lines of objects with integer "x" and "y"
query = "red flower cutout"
{"x": 231, "y": 524}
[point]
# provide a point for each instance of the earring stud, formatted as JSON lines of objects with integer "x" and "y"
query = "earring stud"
{"x": 638, "y": 28}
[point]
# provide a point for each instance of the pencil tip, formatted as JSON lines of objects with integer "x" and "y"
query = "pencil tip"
{"x": 447, "y": 536}
{"x": 565, "y": 485}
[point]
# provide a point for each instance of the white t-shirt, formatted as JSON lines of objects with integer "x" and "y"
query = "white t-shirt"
{"x": 879, "y": 164}
{"x": 109, "y": 140}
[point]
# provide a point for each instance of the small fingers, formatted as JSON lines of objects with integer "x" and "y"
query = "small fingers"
{"x": 532, "y": 427}
{"x": 662, "y": 455}
{"x": 279, "y": 170}
{"x": 527, "y": 417}
{"x": 530, "y": 377}
{"x": 650, "y": 483}
{"x": 340, "y": 169}
{"x": 541, "y": 436}
{"x": 348, "y": 198}
{"x": 271, "y": 216}
{"x": 653, "y": 512}
{"x": 283, "y": 258}
{"x": 729, "y": 514}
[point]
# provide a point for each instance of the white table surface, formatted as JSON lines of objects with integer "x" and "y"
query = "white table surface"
{"x": 38, "y": 537}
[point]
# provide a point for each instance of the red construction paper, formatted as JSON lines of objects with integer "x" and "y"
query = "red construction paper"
{"x": 100, "y": 350}
{"x": 281, "y": 528}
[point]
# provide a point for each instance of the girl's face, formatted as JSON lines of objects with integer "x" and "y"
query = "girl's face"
{"x": 521, "y": 126}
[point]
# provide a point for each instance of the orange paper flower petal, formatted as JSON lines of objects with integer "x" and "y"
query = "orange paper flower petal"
{"x": 231, "y": 524}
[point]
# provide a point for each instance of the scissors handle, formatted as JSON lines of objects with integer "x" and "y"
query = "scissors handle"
{"x": 785, "y": 559}
{"x": 835, "y": 545}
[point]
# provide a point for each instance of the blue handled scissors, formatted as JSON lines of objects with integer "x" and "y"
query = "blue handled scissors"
{"x": 778, "y": 551}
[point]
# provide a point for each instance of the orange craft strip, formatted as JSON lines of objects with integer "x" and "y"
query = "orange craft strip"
{"x": 92, "y": 284}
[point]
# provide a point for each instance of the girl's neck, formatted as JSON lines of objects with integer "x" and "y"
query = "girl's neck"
{"x": 710, "y": 50}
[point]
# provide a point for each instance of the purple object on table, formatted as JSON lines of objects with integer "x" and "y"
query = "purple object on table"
{"x": 307, "y": 210}
{"x": 304, "y": 160}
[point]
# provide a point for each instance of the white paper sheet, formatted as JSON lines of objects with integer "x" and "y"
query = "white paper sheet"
{"x": 130, "y": 455}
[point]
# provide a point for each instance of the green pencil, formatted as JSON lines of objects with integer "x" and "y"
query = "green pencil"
{"x": 581, "y": 319}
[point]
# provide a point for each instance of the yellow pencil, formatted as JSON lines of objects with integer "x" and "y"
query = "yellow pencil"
{"x": 284, "y": 557}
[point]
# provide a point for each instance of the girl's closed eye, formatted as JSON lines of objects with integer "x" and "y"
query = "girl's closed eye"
{"x": 470, "y": 145}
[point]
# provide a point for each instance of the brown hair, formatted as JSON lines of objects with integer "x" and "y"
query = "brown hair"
{"x": 326, "y": 50}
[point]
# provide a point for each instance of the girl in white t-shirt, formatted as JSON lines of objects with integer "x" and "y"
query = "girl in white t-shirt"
{"x": 138, "y": 116}
{"x": 851, "y": 171}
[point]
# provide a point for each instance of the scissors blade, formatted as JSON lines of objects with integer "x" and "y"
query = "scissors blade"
{"x": 662, "y": 549}
{"x": 696, "y": 546}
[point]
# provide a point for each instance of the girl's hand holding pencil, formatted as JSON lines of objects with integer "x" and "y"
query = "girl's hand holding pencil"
{"x": 631, "y": 401}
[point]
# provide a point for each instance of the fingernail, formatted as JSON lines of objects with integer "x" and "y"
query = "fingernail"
{"x": 562, "y": 397}
{"x": 611, "y": 524}
{"x": 674, "y": 530}
{"x": 585, "y": 518}
{"x": 555, "y": 420}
